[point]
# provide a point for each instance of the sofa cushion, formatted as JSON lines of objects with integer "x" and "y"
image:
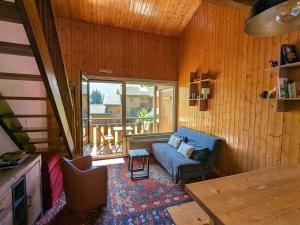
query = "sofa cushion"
{"x": 199, "y": 154}
{"x": 186, "y": 150}
{"x": 174, "y": 141}
{"x": 183, "y": 138}
{"x": 211, "y": 142}
{"x": 170, "y": 159}
{"x": 163, "y": 153}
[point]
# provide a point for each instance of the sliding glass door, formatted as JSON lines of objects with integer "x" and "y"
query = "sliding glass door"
{"x": 105, "y": 130}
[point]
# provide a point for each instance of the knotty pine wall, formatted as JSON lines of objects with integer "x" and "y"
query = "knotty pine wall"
{"x": 87, "y": 47}
{"x": 255, "y": 136}
{"x": 131, "y": 54}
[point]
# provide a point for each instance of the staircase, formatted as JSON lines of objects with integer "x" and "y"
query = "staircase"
{"x": 36, "y": 108}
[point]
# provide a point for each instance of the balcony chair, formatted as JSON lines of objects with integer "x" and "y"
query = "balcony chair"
{"x": 146, "y": 127}
{"x": 105, "y": 146}
{"x": 85, "y": 186}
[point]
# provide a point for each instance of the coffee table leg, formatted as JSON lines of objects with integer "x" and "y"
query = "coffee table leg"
{"x": 148, "y": 166}
{"x": 131, "y": 175}
{"x": 129, "y": 163}
{"x": 143, "y": 162}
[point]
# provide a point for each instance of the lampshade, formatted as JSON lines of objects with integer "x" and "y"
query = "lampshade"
{"x": 265, "y": 18}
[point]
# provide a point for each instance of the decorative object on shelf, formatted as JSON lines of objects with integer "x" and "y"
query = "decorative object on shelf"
{"x": 268, "y": 94}
{"x": 289, "y": 54}
{"x": 287, "y": 82}
{"x": 273, "y": 63}
{"x": 273, "y": 17}
{"x": 205, "y": 92}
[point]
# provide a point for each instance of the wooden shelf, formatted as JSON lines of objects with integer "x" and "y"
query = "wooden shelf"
{"x": 272, "y": 69}
{"x": 282, "y": 71}
{"x": 195, "y": 87}
{"x": 197, "y": 99}
{"x": 288, "y": 99}
{"x": 289, "y": 65}
{"x": 200, "y": 81}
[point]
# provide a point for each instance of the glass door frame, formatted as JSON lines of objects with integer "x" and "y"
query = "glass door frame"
{"x": 84, "y": 78}
{"x": 123, "y": 116}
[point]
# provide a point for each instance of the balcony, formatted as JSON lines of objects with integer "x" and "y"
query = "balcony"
{"x": 106, "y": 134}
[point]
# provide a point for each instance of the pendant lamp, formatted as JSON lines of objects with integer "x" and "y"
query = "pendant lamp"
{"x": 273, "y": 17}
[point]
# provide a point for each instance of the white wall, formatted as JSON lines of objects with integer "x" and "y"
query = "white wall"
{"x": 6, "y": 144}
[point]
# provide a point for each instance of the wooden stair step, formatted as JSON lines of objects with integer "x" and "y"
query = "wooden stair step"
{"x": 43, "y": 140}
{"x": 9, "y": 12}
{"x": 35, "y": 129}
{"x": 51, "y": 149}
{"x": 23, "y": 98}
{"x": 22, "y": 116}
{"x": 16, "y": 76}
{"x": 188, "y": 213}
{"x": 15, "y": 49}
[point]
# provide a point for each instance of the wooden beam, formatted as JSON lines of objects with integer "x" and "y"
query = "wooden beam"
{"x": 9, "y": 12}
{"x": 15, "y": 49}
{"x": 43, "y": 140}
{"x": 17, "y": 76}
{"x": 22, "y": 116}
{"x": 35, "y": 129}
{"x": 21, "y": 98}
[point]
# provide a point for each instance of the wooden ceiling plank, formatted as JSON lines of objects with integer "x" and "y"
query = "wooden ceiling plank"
{"x": 165, "y": 17}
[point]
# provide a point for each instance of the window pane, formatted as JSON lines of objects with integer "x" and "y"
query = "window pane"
{"x": 149, "y": 108}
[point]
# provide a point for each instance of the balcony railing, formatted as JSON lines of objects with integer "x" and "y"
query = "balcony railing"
{"x": 100, "y": 127}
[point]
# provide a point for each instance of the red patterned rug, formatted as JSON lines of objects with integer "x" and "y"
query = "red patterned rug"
{"x": 129, "y": 202}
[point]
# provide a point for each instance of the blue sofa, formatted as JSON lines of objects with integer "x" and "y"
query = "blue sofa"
{"x": 181, "y": 168}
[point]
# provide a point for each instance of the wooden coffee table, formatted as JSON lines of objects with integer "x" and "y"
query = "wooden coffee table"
{"x": 138, "y": 154}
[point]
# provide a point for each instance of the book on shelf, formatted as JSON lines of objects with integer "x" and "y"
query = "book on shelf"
{"x": 297, "y": 87}
{"x": 288, "y": 88}
{"x": 289, "y": 54}
{"x": 283, "y": 88}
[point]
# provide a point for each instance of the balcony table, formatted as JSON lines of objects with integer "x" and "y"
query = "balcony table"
{"x": 268, "y": 196}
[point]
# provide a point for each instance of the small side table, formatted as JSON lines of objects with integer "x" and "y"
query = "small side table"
{"x": 134, "y": 154}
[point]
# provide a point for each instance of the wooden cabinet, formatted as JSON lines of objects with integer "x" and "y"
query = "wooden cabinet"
{"x": 6, "y": 216}
{"x": 30, "y": 169}
{"x": 33, "y": 193}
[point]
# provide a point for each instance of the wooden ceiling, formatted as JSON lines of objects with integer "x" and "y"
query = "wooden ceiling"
{"x": 165, "y": 17}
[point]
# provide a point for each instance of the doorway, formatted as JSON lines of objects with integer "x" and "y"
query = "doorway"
{"x": 102, "y": 130}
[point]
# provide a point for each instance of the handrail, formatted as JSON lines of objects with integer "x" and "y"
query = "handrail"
{"x": 47, "y": 18}
{"x": 48, "y": 67}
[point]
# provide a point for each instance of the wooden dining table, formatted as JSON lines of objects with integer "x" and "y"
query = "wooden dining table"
{"x": 262, "y": 197}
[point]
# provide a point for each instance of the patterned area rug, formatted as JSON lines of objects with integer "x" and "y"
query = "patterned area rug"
{"x": 129, "y": 202}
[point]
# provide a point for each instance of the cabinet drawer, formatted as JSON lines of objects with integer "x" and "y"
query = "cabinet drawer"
{"x": 5, "y": 205}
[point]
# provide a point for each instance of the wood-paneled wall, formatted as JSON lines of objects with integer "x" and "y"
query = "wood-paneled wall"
{"x": 255, "y": 136}
{"x": 132, "y": 54}
{"x": 87, "y": 47}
